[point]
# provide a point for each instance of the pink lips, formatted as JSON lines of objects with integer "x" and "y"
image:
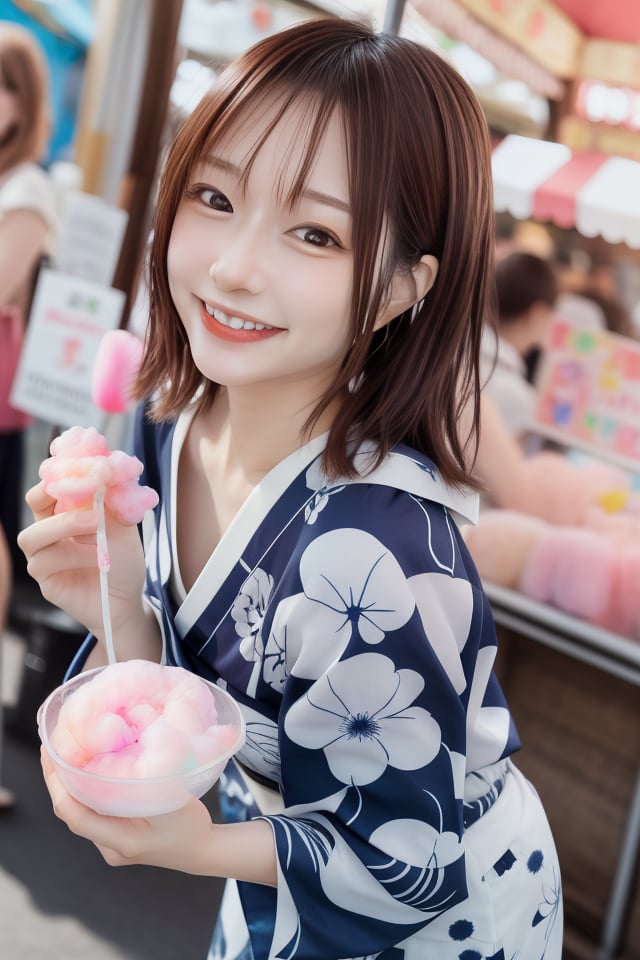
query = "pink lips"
{"x": 223, "y": 332}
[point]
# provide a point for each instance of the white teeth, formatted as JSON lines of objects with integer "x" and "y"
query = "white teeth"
{"x": 234, "y": 322}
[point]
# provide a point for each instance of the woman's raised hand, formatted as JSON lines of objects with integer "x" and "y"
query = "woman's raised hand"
{"x": 62, "y": 557}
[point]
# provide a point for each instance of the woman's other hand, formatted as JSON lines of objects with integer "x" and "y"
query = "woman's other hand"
{"x": 181, "y": 840}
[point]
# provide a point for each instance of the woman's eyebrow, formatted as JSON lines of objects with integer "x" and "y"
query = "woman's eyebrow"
{"x": 327, "y": 199}
{"x": 211, "y": 160}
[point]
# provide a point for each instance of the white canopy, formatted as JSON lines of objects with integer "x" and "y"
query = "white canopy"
{"x": 596, "y": 193}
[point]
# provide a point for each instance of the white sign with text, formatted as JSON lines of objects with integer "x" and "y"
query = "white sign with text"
{"x": 68, "y": 319}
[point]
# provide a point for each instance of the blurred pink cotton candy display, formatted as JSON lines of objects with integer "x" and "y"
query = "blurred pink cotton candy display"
{"x": 137, "y": 738}
{"x": 114, "y": 370}
{"x": 81, "y": 464}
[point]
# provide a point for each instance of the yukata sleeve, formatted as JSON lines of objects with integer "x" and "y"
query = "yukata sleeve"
{"x": 381, "y": 643}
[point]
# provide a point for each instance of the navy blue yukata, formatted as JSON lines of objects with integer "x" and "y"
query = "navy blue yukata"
{"x": 349, "y": 622}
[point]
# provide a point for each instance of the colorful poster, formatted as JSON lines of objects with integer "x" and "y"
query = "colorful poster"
{"x": 589, "y": 393}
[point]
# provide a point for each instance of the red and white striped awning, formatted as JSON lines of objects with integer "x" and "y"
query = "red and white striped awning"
{"x": 593, "y": 192}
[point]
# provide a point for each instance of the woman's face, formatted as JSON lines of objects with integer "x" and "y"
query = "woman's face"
{"x": 263, "y": 290}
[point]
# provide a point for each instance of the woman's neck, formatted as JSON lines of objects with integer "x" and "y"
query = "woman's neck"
{"x": 253, "y": 430}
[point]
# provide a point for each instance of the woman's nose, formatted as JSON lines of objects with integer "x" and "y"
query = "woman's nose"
{"x": 237, "y": 265}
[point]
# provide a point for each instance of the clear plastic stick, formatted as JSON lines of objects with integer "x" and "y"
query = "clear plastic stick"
{"x": 103, "y": 565}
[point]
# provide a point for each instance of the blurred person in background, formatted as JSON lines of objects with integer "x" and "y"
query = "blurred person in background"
{"x": 591, "y": 295}
{"x": 527, "y": 288}
{"x": 616, "y": 317}
{"x": 27, "y": 224}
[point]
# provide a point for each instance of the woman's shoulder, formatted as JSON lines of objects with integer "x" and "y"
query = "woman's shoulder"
{"x": 403, "y": 473}
{"x": 400, "y": 513}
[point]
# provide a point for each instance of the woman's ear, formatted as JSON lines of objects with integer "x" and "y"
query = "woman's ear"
{"x": 407, "y": 288}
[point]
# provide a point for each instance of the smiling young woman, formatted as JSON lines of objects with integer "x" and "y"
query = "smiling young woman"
{"x": 320, "y": 275}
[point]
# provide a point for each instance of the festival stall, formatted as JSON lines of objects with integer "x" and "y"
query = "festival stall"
{"x": 573, "y": 684}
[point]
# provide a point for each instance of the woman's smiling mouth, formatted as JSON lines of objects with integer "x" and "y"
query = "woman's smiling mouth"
{"x": 226, "y": 326}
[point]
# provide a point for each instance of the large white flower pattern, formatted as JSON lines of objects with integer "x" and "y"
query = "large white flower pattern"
{"x": 361, "y": 715}
{"x": 351, "y": 583}
{"x": 487, "y": 726}
{"x": 417, "y": 843}
{"x": 248, "y": 612}
{"x": 395, "y": 892}
{"x": 445, "y": 605}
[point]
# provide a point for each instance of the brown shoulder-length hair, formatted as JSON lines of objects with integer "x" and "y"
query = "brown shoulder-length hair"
{"x": 24, "y": 71}
{"x": 420, "y": 183}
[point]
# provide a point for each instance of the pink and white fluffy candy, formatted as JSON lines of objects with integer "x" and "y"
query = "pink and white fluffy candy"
{"x": 81, "y": 464}
{"x": 136, "y": 719}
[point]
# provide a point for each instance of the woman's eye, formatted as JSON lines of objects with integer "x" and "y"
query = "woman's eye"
{"x": 214, "y": 199}
{"x": 316, "y": 237}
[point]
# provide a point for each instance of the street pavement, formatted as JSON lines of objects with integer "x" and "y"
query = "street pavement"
{"x": 58, "y": 899}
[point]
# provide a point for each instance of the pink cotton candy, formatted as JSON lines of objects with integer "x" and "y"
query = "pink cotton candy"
{"x": 115, "y": 369}
{"x": 81, "y": 464}
{"x": 137, "y": 719}
{"x": 111, "y": 733}
{"x": 66, "y": 745}
{"x": 166, "y": 751}
{"x": 219, "y": 738}
{"x": 120, "y": 766}
{"x": 123, "y": 467}
{"x": 79, "y": 442}
{"x": 149, "y": 712}
{"x": 129, "y": 502}
{"x": 74, "y": 481}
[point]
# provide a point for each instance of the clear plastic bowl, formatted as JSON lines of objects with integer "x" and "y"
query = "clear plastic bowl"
{"x": 141, "y": 797}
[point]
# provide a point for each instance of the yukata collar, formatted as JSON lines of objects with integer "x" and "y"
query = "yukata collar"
{"x": 404, "y": 469}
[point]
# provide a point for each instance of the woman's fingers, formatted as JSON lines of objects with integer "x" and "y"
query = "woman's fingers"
{"x": 40, "y": 503}
{"x": 68, "y": 560}
{"x": 174, "y": 840}
{"x": 80, "y": 819}
{"x": 115, "y": 837}
{"x": 60, "y": 546}
{"x": 55, "y": 528}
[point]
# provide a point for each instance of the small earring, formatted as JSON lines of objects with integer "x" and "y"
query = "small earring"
{"x": 415, "y": 309}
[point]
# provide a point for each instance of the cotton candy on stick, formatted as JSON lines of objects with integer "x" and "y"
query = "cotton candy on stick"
{"x": 81, "y": 464}
{"x": 82, "y": 472}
